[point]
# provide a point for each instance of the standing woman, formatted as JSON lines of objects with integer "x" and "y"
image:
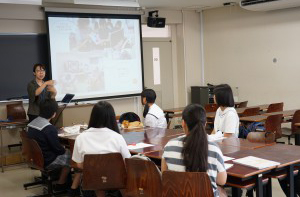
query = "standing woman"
{"x": 39, "y": 90}
{"x": 192, "y": 152}
{"x": 226, "y": 120}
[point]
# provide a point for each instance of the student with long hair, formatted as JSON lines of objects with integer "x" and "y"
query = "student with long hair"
{"x": 192, "y": 152}
{"x": 153, "y": 114}
{"x": 102, "y": 137}
{"x": 226, "y": 120}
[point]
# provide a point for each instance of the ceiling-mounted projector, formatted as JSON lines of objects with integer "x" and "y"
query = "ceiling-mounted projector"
{"x": 156, "y": 22}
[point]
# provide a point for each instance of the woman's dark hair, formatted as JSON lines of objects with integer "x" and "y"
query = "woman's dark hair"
{"x": 149, "y": 94}
{"x": 47, "y": 108}
{"x": 195, "y": 145}
{"x": 103, "y": 115}
{"x": 224, "y": 96}
{"x": 39, "y": 65}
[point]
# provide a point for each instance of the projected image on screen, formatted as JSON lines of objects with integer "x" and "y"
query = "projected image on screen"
{"x": 95, "y": 57}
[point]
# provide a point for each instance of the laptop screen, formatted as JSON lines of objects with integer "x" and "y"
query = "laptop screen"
{"x": 67, "y": 98}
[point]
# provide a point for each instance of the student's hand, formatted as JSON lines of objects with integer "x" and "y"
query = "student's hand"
{"x": 50, "y": 83}
{"x": 51, "y": 89}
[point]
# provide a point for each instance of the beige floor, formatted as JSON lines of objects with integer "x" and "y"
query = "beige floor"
{"x": 13, "y": 178}
{"x": 11, "y": 183}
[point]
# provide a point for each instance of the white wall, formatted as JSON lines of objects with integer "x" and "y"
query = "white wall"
{"x": 239, "y": 47}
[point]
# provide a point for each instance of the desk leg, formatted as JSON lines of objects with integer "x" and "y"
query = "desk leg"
{"x": 291, "y": 180}
{"x": 236, "y": 192}
{"x": 1, "y": 150}
{"x": 259, "y": 186}
{"x": 269, "y": 188}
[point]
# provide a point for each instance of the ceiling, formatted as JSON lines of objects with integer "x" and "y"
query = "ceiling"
{"x": 165, "y": 4}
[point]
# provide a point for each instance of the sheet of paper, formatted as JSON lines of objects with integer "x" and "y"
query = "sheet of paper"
{"x": 138, "y": 146}
{"x": 227, "y": 158}
{"x": 228, "y": 165}
{"x": 256, "y": 162}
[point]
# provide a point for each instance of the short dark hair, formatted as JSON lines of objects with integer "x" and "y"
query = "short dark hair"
{"x": 224, "y": 95}
{"x": 38, "y": 65}
{"x": 47, "y": 108}
{"x": 149, "y": 94}
{"x": 103, "y": 115}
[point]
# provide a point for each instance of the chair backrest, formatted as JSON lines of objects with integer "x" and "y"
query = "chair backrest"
{"x": 16, "y": 111}
{"x": 264, "y": 137}
{"x": 275, "y": 107}
{"x": 103, "y": 172}
{"x": 143, "y": 178}
{"x": 211, "y": 107}
{"x": 243, "y": 104}
{"x": 32, "y": 152}
{"x": 296, "y": 119}
{"x": 186, "y": 184}
{"x": 273, "y": 124}
{"x": 251, "y": 111}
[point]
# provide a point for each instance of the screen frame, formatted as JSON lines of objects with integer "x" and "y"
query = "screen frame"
{"x": 96, "y": 15}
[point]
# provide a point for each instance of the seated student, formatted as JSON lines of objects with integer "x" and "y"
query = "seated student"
{"x": 226, "y": 119}
{"x": 154, "y": 116}
{"x": 192, "y": 152}
{"x": 102, "y": 137}
{"x": 41, "y": 130}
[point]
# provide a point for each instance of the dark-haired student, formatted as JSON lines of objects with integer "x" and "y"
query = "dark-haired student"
{"x": 226, "y": 119}
{"x": 46, "y": 135}
{"x": 192, "y": 152}
{"x": 102, "y": 137}
{"x": 38, "y": 90}
{"x": 153, "y": 114}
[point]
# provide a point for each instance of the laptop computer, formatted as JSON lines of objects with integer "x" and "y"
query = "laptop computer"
{"x": 67, "y": 98}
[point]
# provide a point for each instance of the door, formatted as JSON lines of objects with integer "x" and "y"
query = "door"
{"x": 158, "y": 72}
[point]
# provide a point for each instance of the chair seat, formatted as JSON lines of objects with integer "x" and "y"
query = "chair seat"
{"x": 286, "y": 131}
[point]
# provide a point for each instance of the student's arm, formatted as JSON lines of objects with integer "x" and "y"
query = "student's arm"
{"x": 40, "y": 89}
{"x": 52, "y": 137}
{"x": 221, "y": 178}
{"x": 164, "y": 166}
{"x": 150, "y": 121}
{"x": 79, "y": 165}
{"x": 52, "y": 91}
{"x": 231, "y": 123}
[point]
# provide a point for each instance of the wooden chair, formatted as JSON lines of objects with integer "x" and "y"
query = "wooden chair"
{"x": 186, "y": 184}
{"x": 16, "y": 113}
{"x": 273, "y": 124}
{"x": 251, "y": 111}
{"x": 275, "y": 107}
{"x": 243, "y": 104}
{"x": 143, "y": 178}
{"x": 211, "y": 107}
{"x": 263, "y": 137}
{"x": 289, "y": 132}
{"x": 103, "y": 172}
{"x": 34, "y": 158}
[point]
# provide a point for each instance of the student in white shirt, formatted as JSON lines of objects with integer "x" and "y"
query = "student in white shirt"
{"x": 226, "y": 119}
{"x": 102, "y": 137}
{"x": 154, "y": 116}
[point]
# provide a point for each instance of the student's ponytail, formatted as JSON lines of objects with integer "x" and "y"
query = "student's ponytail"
{"x": 195, "y": 145}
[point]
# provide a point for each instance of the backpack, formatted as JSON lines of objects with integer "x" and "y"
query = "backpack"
{"x": 244, "y": 131}
{"x": 129, "y": 116}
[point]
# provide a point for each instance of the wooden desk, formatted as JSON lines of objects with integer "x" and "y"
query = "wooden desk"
{"x": 257, "y": 118}
{"x": 7, "y": 126}
{"x": 243, "y": 143}
{"x": 284, "y": 113}
{"x": 289, "y": 157}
